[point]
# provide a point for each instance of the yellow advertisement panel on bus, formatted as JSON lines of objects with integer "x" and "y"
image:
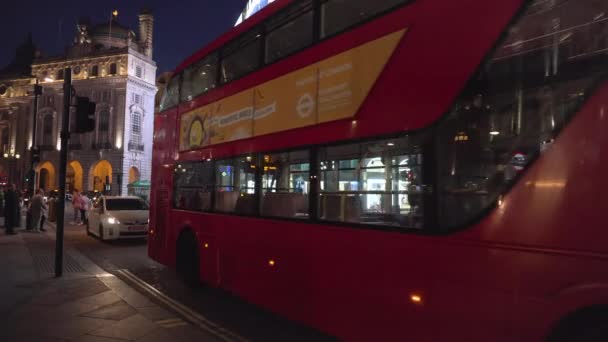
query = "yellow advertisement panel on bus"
{"x": 329, "y": 90}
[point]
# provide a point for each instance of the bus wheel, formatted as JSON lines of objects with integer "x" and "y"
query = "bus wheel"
{"x": 187, "y": 259}
{"x": 587, "y": 325}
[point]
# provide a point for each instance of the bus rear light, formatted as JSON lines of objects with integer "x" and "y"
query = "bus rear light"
{"x": 271, "y": 263}
{"x": 206, "y": 245}
{"x": 416, "y": 298}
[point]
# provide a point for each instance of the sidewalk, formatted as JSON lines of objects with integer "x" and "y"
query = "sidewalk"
{"x": 85, "y": 305}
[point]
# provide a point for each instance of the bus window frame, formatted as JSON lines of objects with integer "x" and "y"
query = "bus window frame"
{"x": 262, "y": 32}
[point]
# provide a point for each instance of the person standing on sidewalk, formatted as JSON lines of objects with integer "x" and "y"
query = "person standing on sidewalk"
{"x": 37, "y": 207}
{"x": 76, "y": 206}
{"x": 11, "y": 206}
{"x": 44, "y": 213}
{"x": 85, "y": 205}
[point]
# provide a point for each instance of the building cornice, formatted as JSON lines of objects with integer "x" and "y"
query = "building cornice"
{"x": 142, "y": 83}
{"x": 65, "y": 59}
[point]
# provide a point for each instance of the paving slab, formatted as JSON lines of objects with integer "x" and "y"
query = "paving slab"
{"x": 116, "y": 312}
{"x": 131, "y": 328}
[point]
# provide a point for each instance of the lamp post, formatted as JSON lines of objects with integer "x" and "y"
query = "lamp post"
{"x": 119, "y": 181}
{"x": 34, "y": 151}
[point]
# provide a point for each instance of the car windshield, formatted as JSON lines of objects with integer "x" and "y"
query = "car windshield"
{"x": 126, "y": 204}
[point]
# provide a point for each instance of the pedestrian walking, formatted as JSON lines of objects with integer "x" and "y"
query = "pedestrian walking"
{"x": 76, "y": 206}
{"x": 11, "y": 205}
{"x": 85, "y": 206}
{"x": 37, "y": 206}
{"x": 44, "y": 214}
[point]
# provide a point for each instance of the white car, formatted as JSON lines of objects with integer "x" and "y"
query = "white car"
{"x": 115, "y": 217}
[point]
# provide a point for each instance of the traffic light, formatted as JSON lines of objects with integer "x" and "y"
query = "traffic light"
{"x": 85, "y": 115}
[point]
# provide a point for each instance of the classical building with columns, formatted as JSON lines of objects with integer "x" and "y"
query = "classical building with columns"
{"x": 16, "y": 108}
{"x": 112, "y": 66}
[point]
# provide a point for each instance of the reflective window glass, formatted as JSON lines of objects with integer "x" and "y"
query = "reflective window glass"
{"x": 289, "y": 31}
{"x": 513, "y": 109}
{"x": 171, "y": 95}
{"x": 199, "y": 78}
{"x": 241, "y": 56}
{"x": 193, "y": 186}
{"x": 338, "y": 15}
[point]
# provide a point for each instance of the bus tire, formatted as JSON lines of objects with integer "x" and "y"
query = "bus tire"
{"x": 586, "y": 325}
{"x": 187, "y": 258}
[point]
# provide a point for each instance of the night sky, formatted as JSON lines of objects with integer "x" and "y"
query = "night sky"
{"x": 180, "y": 27}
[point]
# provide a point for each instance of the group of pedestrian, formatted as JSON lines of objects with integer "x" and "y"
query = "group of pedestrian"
{"x": 81, "y": 204}
{"x": 38, "y": 209}
{"x": 13, "y": 203}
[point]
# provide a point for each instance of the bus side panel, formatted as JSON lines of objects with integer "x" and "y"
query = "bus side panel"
{"x": 558, "y": 210}
{"x": 159, "y": 246}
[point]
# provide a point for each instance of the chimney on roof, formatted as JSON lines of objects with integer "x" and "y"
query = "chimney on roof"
{"x": 146, "y": 29}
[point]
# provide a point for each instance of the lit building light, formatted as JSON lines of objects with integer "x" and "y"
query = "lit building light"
{"x": 494, "y": 133}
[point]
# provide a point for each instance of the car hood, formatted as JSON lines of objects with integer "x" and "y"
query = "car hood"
{"x": 130, "y": 216}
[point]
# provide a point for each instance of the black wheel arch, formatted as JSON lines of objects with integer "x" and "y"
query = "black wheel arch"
{"x": 587, "y": 324}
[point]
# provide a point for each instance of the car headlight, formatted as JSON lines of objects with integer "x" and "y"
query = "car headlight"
{"x": 112, "y": 220}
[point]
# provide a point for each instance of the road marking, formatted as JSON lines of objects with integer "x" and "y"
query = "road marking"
{"x": 190, "y": 315}
{"x": 172, "y": 323}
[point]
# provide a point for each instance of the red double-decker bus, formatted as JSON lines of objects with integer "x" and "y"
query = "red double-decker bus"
{"x": 392, "y": 170}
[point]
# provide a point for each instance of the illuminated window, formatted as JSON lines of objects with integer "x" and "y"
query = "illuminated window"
{"x": 235, "y": 186}
{"x": 95, "y": 70}
{"x": 138, "y": 71}
{"x": 286, "y": 184}
{"x": 378, "y": 182}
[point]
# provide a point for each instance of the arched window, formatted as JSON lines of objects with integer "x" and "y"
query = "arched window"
{"x": 103, "y": 127}
{"x": 60, "y": 74}
{"x": 95, "y": 70}
{"x": 47, "y": 130}
{"x": 113, "y": 69}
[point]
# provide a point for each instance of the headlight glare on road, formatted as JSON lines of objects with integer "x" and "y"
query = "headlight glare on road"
{"x": 112, "y": 220}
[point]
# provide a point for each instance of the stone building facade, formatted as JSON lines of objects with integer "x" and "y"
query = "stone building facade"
{"x": 115, "y": 69}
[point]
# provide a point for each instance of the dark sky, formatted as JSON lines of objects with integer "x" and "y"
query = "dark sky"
{"x": 180, "y": 27}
